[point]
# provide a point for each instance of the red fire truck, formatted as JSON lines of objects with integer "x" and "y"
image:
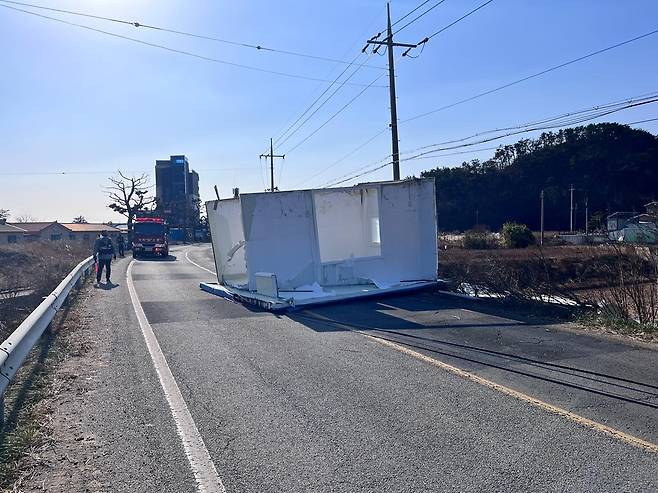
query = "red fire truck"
{"x": 150, "y": 237}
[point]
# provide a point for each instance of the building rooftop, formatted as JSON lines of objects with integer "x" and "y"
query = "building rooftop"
{"x": 623, "y": 214}
{"x": 90, "y": 227}
{"x": 9, "y": 228}
{"x": 33, "y": 227}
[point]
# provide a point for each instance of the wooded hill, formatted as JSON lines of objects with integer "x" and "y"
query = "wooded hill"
{"x": 614, "y": 166}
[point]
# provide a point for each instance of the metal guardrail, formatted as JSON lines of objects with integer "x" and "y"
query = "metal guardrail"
{"x": 17, "y": 346}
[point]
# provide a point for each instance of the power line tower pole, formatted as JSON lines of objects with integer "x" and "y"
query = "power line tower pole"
{"x": 571, "y": 189}
{"x": 388, "y": 42}
{"x": 586, "y": 215}
{"x": 271, "y": 155}
{"x": 541, "y": 220}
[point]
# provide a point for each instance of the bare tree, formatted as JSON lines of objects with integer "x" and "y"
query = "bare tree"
{"x": 129, "y": 195}
{"x": 4, "y": 213}
{"x": 80, "y": 220}
{"x": 25, "y": 218}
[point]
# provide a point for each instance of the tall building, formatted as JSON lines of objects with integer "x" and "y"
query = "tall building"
{"x": 177, "y": 190}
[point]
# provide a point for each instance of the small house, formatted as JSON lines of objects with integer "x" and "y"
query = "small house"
{"x": 618, "y": 220}
{"x": 652, "y": 209}
{"x": 43, "y": 231}
{"x": 86, "y": 233}
{"x": 10, "y": 234}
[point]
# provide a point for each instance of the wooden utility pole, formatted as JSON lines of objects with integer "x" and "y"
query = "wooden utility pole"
{"x": 388, "y": 42}
{"x": 586, "y": 216}
{"x": 271, "y": 155}
{"x": 541, "y": 219}
{"x": 571, "y": 189}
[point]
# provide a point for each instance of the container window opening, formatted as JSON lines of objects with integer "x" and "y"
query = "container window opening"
{"x": 348, "y": 224}
{"x": 374, "y": 231}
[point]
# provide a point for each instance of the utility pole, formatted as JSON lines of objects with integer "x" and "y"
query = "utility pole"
{"x": 586, "y": 215}
{"x": 571, "y": 210}
{"x": 388, "y": 42}
{"x": 271, "y": 155}
{"x": 541, "y": 219}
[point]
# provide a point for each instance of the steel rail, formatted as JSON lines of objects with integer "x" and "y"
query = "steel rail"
{"x": 14, "y": 350}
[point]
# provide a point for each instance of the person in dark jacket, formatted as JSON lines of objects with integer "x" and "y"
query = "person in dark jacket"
{"x": 103, "y": 253}
{"x": 121, "y": 245}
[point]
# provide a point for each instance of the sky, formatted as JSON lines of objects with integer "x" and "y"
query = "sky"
{"x": 77, "y": 105}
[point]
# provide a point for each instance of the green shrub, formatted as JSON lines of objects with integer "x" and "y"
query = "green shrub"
{"x": 517, "y": 235}
{"x": 474, "y": 240}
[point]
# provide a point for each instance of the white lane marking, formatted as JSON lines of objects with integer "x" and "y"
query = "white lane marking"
{"x": 199, "y": 266}
{"x": 205, "y": 474}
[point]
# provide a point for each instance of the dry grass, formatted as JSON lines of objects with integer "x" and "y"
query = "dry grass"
{"x": 29, "y": 272}
{"x": 615, "y": 286}
{"x": 29, "y": 400}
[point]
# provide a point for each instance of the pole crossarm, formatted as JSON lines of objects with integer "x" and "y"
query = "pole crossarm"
{"x": 390, "y": 45}
{"x": 271, "y": 156}
{"x": 405, "y": 45}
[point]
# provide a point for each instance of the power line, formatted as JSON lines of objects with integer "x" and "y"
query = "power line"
{"x": 458, "y": 20}
{"x": 340, "y": 86}
{"x": 409, "y": 13}
{"x": 339, "y": 178}
{"x": 560, "y": 117}
{"x": 538, "y": 74}
{"x": 421, "y": 15}
{"x": 403, "y": 17}
{"x": 338, "y": 161}
{"x": 470, "y": 151}
{"x": 181, "y": 52}
{"x": 390, "y": 69}
{"x": 358, "y": 95}
{"x": 572, "y": 121}
{"x": 642, "y": 121}
{"x": 189, "y": 34}
{"x": 287, "y": 127}
{"x": 390, "y": 45}
{"x": 53, "y": 173}
{"x": 359, "y": 175}
{"x": 334, "y": 183}
{"x": 544, "y": 127}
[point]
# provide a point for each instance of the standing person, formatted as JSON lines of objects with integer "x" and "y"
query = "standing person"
{"x": 120, "y": 245}
{"x": 103, "y": 253}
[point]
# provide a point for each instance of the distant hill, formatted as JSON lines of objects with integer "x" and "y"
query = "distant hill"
{"x": 614, "y": 165}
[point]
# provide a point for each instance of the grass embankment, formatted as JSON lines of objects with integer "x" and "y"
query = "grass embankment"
{"x": 28, "y": 273}
{"x": 32, "y": 271}
{"x": 609, "y": 286}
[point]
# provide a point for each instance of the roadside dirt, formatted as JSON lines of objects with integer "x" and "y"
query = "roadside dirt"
{"x": 65, "y": 462}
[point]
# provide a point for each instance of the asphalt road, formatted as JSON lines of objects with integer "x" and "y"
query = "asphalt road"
{"x": 307, "y": 402}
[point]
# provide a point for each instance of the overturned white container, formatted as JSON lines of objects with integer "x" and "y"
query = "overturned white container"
{"x": 302, "y": 247}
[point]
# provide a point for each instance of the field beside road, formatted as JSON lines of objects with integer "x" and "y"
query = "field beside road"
{"x": 28, "y": 273}
{"x": 615, "y": 286}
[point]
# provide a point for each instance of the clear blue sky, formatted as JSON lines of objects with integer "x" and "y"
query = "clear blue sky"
{"x": 80, "y": 101}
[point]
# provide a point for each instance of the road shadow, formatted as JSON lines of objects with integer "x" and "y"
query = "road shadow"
{"x": 154, "y": 258}
{"x": 385, "y": 313}
{"x": 106, "y": 286}
{"x": 480, "y": 339}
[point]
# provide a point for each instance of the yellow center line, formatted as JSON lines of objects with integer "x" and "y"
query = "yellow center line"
{"x": 588, "y": 423}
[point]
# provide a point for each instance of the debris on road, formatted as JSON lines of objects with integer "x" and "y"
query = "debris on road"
{"x": 287, "y": 249}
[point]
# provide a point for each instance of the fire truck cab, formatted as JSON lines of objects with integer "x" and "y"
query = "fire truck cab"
{"x": 150, "y": 237}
